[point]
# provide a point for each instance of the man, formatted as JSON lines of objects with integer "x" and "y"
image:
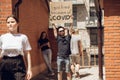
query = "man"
{"x": 63, "y": 37}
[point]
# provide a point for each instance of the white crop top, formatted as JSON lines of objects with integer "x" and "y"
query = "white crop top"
{"x": 14, "y": 44}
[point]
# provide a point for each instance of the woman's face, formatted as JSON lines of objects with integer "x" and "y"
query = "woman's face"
{"x": 12, "y": 24}
{"x": 44, "y": 35}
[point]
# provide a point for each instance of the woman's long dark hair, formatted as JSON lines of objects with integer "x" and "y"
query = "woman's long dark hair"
{"x": 41, "y": 36}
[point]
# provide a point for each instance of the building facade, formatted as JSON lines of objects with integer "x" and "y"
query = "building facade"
{"x": 34, "y": 18}
{"x": 85, "y": 20}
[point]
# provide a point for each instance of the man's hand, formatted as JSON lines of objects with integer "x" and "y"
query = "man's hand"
{"x": 53, "y": 24}
{"x": 72, "y": 17}
{"x": 54, "y": 29}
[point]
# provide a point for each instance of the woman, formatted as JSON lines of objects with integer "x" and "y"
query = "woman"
{"x": 45, "y": 48}
{"x": 13, "y": 46}
{"x": 76, "y": 52}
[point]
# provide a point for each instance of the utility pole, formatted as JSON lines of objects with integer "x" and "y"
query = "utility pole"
{"x": 16, "y": 10}
{"x": 100, "y": 33}
{"x": 100, "y": 44}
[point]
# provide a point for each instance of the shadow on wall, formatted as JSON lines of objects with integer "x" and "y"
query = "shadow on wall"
{"x": 53, "y": 44}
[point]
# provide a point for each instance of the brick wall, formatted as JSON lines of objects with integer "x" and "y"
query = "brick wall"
{"x": 33, "y": 16}
{"x": 5, "y": 10}
{"x": 112, "y": 39}
{"x": 53, "y": 44}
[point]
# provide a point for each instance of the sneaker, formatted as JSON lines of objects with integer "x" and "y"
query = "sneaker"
{"x": 52, "y": 74}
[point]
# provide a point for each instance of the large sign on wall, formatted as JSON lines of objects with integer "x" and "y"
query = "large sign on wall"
{"x": 60, "y": 12}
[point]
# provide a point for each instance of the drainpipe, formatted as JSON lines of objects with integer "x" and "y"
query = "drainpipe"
{"x": 100, "y": 28}
{"x": 47, "y": 3}
{"x": 16, "y": 9}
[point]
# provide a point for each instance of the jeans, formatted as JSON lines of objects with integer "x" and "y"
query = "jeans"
{"x": 60, "y": 63}
{"x": 47, "y": 55}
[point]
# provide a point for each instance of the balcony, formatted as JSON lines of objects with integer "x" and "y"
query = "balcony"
{"x": 77, "y": 1}
{"x": 92, "y": 22}
{"x": 92, "y": 4}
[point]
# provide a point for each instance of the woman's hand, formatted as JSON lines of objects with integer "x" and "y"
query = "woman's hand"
{"x": 29, "y": 75}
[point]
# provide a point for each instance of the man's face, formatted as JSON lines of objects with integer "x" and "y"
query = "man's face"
{"x": 61, "y": 31}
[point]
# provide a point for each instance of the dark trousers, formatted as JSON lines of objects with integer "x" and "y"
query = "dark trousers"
{"x": 12, "y": 68}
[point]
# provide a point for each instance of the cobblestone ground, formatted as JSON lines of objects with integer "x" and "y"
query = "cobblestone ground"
{"x": 86, "y": 73}
{"x": 45, "y": 76}
{"x": 90, "y": 73}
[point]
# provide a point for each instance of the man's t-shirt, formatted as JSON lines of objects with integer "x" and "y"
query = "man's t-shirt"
{"x": 64, "y": 46}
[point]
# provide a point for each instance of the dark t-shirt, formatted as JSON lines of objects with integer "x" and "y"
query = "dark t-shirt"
{"x": 43, "y": 41}
{"x": 64, "y": 46}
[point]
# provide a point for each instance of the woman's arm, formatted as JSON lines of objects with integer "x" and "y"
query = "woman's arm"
{"x": 43, "y": 45}
{"x": 48, "y": 44}
{"x": 0, "y": 54}
{"x": 29, "y": 71}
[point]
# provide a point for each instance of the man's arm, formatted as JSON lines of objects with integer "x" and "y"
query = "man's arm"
{"x": 71, "y": 26}
{"x": 69, "y": 30}
{"x": 54, "y": 30}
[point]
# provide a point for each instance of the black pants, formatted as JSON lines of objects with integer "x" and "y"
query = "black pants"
{"x": 12, "y": 68}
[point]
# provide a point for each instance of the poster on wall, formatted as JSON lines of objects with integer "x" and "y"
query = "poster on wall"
{"x": 60, "y": 13}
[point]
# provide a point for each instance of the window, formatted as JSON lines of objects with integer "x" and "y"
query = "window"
{"x": 75, "y": 16}
{"x": 92, "y": 12}
{"x": 93, "y": 36}
{"x": 74, "y": 19}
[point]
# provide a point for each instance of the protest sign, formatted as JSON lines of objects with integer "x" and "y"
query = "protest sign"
{"x": 60, "y": 12}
